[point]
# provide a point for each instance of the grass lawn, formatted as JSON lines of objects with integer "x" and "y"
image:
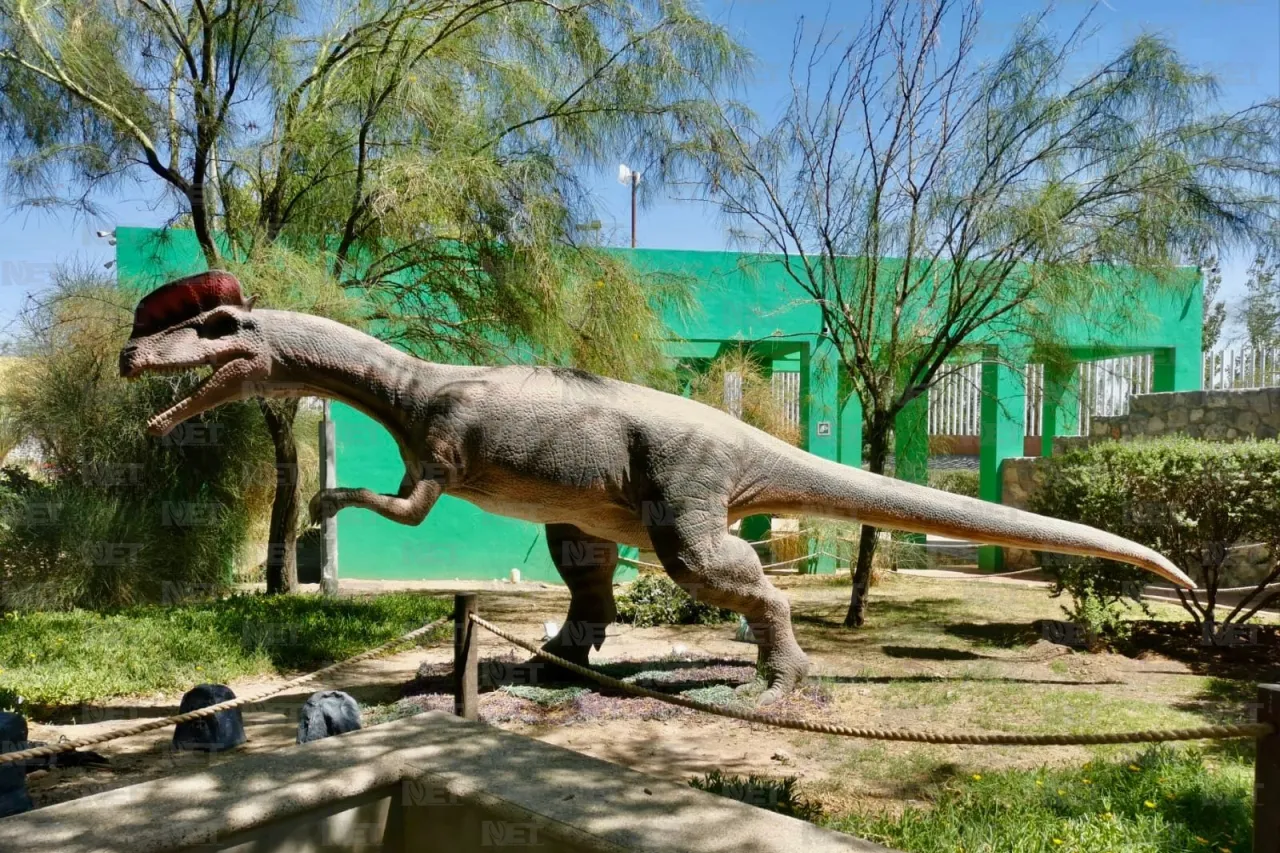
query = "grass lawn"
{"x": 1164, "y": 799}
{"x": 58, "y": 659}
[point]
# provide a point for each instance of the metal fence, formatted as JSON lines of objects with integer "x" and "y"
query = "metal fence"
{"x": 1243, "y": 367}
{"x": 1105, "y": 386}
{"x": 785, "y": 388}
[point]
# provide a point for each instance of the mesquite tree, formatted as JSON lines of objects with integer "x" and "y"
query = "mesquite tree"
{"x": 920, "y": 197}
{"x": 429, "y": 151}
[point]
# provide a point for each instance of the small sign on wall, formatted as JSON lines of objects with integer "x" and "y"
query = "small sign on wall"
{"x": 824, "y": 427}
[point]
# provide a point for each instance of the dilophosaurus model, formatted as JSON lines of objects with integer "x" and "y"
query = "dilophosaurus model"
{"x": 598, "y": 461}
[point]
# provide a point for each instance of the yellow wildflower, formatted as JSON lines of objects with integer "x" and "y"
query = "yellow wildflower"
{"x": 977, "y": 777}
{"x": 1057, "y": 841}
{"x": 1040, "y": 782}
{"x": 1087, "y": 781}
{"x": 1135, "y": 768}
{"x": 1149, "y": 804}
{"x": 1202, "y": 840}
{"x": 1061, "y": 792}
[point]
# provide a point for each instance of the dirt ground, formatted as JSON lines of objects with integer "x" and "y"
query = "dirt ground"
{"x": 939, "y": 653}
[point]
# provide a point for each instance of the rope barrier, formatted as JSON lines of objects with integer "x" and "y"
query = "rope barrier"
{"x": 1244, "y": 730}
{"x": 141, "y": 728}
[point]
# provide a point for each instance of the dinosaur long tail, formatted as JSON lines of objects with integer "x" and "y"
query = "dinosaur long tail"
{"x": 817, "y": 486}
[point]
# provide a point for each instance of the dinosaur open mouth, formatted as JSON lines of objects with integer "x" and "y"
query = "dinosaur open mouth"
{"x": 186, "y": 405}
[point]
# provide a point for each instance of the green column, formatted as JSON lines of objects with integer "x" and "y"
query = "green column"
{"x": 1003, "y": 431}
{"x": 1178, "y": 368}
{"x": 831, "y": 415}
{"x": 819, "y": 379}
{"x": 911, "y": 441}
{"x": 849, "y": 424}
{"x": 1060, "y": 409}
{"x": 911, "y": 453}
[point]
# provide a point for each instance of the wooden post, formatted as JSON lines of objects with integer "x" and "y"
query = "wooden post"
{"x": 329, "y": 527}
{"x": 466, "y": 658}
{"x": 1266, "y": 788}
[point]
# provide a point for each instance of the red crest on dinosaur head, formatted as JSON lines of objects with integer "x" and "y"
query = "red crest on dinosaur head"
{"x": 184, "y": 298}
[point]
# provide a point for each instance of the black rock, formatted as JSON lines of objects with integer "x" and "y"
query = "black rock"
{"x": 329, "y": 712}
{"x": 13, "y": 777}
{"x": 224, "y": 730}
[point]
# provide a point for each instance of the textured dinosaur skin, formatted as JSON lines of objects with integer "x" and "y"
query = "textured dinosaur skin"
{"x": 598, "y": 461}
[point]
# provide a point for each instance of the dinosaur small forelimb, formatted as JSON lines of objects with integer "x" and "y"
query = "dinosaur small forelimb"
{"x": 409, "y": 508}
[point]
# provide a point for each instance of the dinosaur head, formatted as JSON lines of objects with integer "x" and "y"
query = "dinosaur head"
{"x": 198, "y": 322}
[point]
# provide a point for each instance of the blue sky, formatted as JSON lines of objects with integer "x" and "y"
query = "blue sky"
{"x": 1239, "y": 40}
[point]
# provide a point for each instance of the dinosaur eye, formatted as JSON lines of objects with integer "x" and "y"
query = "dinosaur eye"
{"x": 219, "y": 325}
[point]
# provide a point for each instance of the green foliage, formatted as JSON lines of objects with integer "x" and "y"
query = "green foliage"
{"x": 1168, "y": 800}
{"x": 1215, "y": 309}
{"x": 1260, "y": 312}
{"x": 654, "y": 599}
{"x": 1102, "y": 619}
{"x": 1188, "y": 499}
{"x": 67, "y": 657}
{"x": 956, "y": 482}
{"x": 435, "y": 163}
{"x": 122, "y": 517}
{"x": 758, "y": 405}
{"x": 774, "y": 795}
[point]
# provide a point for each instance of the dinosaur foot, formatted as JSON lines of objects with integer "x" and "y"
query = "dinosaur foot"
{"x": 761, "y": 693}
{"x": 775, "y": 678}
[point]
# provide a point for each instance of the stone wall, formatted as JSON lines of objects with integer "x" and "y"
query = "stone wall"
{"x": 1213, "y": 415}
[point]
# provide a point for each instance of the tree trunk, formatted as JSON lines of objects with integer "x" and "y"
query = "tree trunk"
{"x": 877, "y": 453}
{"x": 282, "y": 558}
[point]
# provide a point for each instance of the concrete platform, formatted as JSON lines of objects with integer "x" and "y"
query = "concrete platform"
{"x": 427, "y": 783}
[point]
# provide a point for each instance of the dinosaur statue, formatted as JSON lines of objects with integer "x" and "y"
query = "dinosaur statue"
{"x": 598, "y": 461}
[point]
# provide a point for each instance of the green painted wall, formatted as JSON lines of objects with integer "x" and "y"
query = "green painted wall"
{"x": 740, "y": 298}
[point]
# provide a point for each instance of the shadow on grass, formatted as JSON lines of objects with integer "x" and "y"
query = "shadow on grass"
{"x": 1257, "y": 661}
{"x": 930, "y": 653}
{"x": 1004, "y": 635}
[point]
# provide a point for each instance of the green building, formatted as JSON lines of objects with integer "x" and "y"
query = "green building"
{"x": 741, "y": 299}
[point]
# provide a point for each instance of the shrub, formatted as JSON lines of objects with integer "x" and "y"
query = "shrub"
{"x": 775, "y": 795}
{"x": 958, "y": 482}
{"x": 654, "y": 599}
{"x": 1190, "y": 500}
{"x": 121, "y": 517}
{"x": 759, "y": 405}
{"x": 1103, "y": 620}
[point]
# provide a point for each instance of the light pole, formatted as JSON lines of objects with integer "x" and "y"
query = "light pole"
{"x": 626, "y": 175}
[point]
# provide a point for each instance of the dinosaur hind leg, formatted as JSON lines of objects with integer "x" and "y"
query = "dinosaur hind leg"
{"x": 587, "y": 564}
{"x": 719, "y": 569}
